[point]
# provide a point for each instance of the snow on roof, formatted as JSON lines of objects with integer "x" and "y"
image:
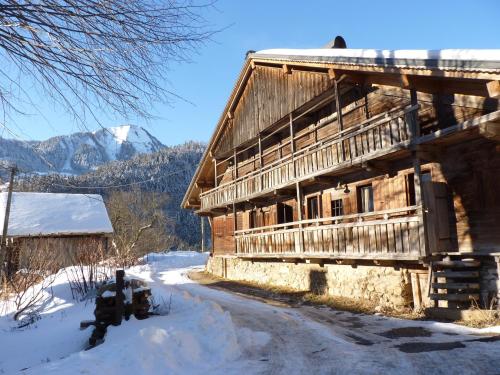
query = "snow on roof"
{"x": 45, "y": 214}
{"x": 450, "y": 58}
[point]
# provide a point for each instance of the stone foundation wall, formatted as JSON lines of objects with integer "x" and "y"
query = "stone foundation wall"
{"x": 490, "y": 283}
{"x": 384, "y": 286}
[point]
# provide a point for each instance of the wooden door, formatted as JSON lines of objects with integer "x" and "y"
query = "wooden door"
{"x": 436, "y": 198}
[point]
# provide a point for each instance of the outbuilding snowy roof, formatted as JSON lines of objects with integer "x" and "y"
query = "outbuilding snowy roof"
{"x": 462, "y": 59}
{"x": 49, "y": 214}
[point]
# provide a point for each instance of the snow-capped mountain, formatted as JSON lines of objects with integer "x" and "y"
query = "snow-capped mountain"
{"x": 79, "y": 152}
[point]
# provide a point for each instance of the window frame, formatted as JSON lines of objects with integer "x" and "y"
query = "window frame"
{"x": 362, "y": 199}
{"x": 335, "y": 209}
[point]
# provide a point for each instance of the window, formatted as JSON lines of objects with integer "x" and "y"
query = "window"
{"x": 337, "y": 207}
{"x": 410, "y": 189}
{"x": 285, "y": 213}
{"x": 410, "y": 186}
{"x": 253, "y": 219}
{"x": 365, "y": 199}
{"x": 313, "y": 208}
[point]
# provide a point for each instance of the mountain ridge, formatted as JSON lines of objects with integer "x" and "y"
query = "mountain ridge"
{"x": 80, "y": 152}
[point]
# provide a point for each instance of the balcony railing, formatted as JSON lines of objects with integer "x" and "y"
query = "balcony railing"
{"x": 390, "y": 234}
{"x": 372, "y": 138}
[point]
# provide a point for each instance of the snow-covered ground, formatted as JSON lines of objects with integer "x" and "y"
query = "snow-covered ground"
{"x": 210, "y": 331}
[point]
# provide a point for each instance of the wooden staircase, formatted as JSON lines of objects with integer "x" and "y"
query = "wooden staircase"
{"x": 455, "y": 282}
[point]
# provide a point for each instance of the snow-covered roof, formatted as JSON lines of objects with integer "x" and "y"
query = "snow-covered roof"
{"x": 468, "y": 59}
{"x": 48, "y": 214}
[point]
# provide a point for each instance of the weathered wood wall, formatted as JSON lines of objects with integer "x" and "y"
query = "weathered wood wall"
{"x": 269, "y": 95}
{"x": 471, "y": 171}
{"x": 64, "y": 251}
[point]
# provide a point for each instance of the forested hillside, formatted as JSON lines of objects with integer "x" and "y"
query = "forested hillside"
{"x": 167, "y": 171}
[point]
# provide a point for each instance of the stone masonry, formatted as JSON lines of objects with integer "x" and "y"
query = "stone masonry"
{"x": 385, "y": 286}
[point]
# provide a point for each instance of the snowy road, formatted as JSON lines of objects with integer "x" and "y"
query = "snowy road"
{"x": 323, "y": 341}
{"x": 212, "y": 331}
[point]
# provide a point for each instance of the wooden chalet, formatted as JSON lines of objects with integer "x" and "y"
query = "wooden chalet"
{"x": 345, "y": 156}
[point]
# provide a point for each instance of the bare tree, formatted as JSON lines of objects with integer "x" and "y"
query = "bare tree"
{"x": 27, "y": 288}
{"x": 139, "y": 223}
{"x": 88, "y": 269}
{"x": 90, "y": 54}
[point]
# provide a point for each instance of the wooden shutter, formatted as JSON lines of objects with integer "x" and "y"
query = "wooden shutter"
{"x": 327, "y": 204}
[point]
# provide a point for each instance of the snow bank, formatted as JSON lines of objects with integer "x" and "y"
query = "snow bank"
{"x": 191, "y": 343}
{"x": 197, "y": 336}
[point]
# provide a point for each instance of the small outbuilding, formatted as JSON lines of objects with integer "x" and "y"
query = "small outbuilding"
{"x": 66, "y": 226}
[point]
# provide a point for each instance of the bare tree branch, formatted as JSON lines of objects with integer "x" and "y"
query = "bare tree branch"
{"x": 94, "y": 54}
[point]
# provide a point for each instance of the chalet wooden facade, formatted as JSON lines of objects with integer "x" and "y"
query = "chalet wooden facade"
{"x": 360, "y": 157}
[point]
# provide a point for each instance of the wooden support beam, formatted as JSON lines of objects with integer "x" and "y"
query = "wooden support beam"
{"x": 417, "y": 177}
{"x": 319, "y": 261}
{"x": 258, "y": 201}
{"x": 298, "y": 190}
{"x": 220, "y": 210}
{"x": 405, "y": 81}
{"x": 490, "y": 130}
{"x": 493, "y": 88}
{"x": 204, "y": 184}
{"x": 332, "y": 74}
{"x": 215, "y": 172}
{"x": 339, "y": 75}
{"x": 230, "y": 114}
{"x": 287, "y": 69}
{"x": 349, "y": 262}
{"x": 384, "y": 263}
{"x": 284, "y": 192}
{"x": 323, "y": 180}
{"x": 339, "y": 114}
{"x": 376, "y": 166}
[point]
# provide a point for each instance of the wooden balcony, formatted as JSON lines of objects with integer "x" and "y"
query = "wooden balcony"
{"x": 396, "y": 234}
{"x": 378, "y": 136}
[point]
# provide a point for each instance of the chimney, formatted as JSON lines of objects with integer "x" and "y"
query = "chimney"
{"x": 338, "y": 42}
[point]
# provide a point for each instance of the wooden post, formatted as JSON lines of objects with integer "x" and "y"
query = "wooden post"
{"x": 417, "y": 175}
{"x": 235, "y": 221}
{"x": 299, "y": 216}
{"x": 202, "y": 223}
{"x": 339, "y": 115}
{"x": 3, "y": 245}
{"x": 261, "y": 162}
{"x": 120, "y": 274}
{"x": 292, "y": 144}
{"x": 212, "y": 234}
{"x": 215, "y": 173}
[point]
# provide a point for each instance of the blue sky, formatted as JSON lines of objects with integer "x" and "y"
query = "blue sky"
{"x": 253, "y": 25}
